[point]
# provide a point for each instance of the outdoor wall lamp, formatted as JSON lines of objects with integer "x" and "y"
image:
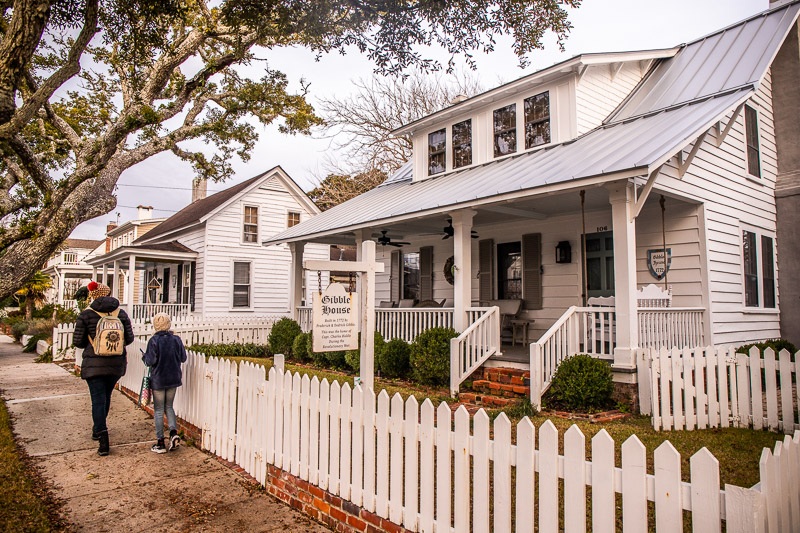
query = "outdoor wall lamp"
{"x": 563, "y": 252}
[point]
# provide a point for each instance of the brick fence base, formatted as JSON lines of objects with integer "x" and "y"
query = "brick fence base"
{"x": 326, "y": 508}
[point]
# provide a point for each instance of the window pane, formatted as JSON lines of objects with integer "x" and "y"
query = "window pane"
{"x": 241, "y": 273}
{"x": 437, "y": 142}
{"x": 594, "y": 274}
{"x": 292, "y": 219}
{"x": 751, "y": 129}
{"x": 537, "y": 120}
{"x": 750, "y": 259}
{"x": 505, "y": 130}
{"x": 462, "y": 144}
{"x": 509, "y": 269}
{"x": 250, "y": 226}
{"x": 241, "y": 296}
{"x": 411, "y": 275}
{"x": 768, "y": 269}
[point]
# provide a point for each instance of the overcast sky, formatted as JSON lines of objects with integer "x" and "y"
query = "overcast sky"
{"x": 599, "y": 26}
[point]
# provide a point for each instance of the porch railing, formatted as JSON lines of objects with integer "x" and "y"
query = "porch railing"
{"x": 148, "y": 311}
{"x": 474, "y": 346}
{"x": 304, "y": 318}
{"x": 407, "y": 324}
{"x": 671, "y": 327}
{"x": 70, "y": 304}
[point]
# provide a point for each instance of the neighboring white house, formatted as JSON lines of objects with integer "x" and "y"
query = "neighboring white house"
{"x": 567, "y": 185}
{"x": 68, "y": 269}
{"x": 206, "y": 260}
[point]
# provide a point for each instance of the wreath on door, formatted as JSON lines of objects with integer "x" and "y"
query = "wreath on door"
{"x": 449, "y": 269}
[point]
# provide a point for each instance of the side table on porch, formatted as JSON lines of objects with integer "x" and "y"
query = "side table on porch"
{"x": 519, "y": 330}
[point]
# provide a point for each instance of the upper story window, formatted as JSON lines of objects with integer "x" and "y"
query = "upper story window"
{"x": 292, "y": 219}
{"x": 505, "y": 130}
{"x": 462, "y": 144}
{"x": 537, "y": 120}
{"x": 437, "y": 152}
{"x": 250, "y": 227}
{"x": 751, "y": 134}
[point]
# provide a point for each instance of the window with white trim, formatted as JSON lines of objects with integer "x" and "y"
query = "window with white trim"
{"x": 759, "y": 270}
{"x": 250, "y": 224}
{"x": 505, "y": 130}
{"x": 751, "y": 137}
{"x": 437, "y": 152}
{"x": 241, "y": 284}
{"x": 462, "y": 143}
{"x": 537, "y": 120}
{"x": 292, "y": 219}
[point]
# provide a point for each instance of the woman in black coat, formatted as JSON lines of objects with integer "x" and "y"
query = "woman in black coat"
{"x": 100, "y": 372}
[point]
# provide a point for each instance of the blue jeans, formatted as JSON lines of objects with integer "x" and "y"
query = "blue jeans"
{"x": 162, "y": 401}
{"x": 100, "y": 389}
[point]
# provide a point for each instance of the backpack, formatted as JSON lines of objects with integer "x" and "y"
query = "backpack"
{"x": 109, "y": 334}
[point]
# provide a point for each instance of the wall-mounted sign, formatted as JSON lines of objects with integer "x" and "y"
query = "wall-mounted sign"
{"x": 335, "y": 319}
{"x": 657, "y": 264}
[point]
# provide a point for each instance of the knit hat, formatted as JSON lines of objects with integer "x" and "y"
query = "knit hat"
{"x": 161, "y": 322}
{"x": 98, "y": 290}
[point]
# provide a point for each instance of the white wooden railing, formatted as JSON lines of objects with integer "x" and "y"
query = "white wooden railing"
{"x": 304, "y": 318}
{"x": 69, "y": 304}
{"x": 671, "y": 327}
{"x": 407, "y": 324}
{"x": 474, "y": 346}
{"x": 148, "y": 311}
{"x": 426, "y": 469}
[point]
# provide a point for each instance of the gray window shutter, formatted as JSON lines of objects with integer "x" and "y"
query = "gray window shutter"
{"x": 532, "y": 270}
{"x": 426, "y": 273}
{"x": 192, "y": 286}
{"x": 486, "y": 269}
{"x": 396, "y": 271}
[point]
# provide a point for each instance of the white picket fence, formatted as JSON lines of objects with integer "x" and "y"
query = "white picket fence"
{"x": 421, "y": 467}
{"x": 708, "y": 387}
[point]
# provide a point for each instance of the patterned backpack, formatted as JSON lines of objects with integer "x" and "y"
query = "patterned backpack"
{"x": 109, "y": 334}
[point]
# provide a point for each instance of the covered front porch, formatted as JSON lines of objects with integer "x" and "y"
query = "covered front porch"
{"x": 528, "y": 282}
{"x": 150, "y": 279}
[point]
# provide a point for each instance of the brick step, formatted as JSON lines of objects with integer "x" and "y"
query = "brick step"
{"x": 489, "y": 401}
{"x": 512, "y": 376}
{"x": 507, "y": 390}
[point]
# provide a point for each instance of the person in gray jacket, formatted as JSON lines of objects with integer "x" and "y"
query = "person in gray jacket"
{"x": 164, "y": 355}
{"x": 100, "y": 372}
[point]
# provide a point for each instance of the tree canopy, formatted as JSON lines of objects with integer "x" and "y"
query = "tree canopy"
{"x": 89, "y": 88}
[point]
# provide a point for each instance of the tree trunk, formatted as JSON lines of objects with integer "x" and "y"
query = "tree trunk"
{"x": 29, "y": 308}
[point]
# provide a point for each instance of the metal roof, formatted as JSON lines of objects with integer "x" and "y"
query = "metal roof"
{"x": 730, "y": 58}
{"x": 637, "y": 144}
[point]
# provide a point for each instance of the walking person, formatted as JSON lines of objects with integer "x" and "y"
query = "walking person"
{"x": 102, "y": 330}
{"x": 164, "y": 355}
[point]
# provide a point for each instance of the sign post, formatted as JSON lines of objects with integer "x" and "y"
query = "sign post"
{"x": 367, "y": 267}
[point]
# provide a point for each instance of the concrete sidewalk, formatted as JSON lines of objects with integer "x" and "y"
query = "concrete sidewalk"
{"x": 132, "y": 489}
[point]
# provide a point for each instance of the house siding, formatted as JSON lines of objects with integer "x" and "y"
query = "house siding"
{"x": 718, "y": 177}
{"x": 194, "y": 240}
{"x": 597, "y": 95}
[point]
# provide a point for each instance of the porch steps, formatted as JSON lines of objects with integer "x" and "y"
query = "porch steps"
{"x": 497, "y": 387}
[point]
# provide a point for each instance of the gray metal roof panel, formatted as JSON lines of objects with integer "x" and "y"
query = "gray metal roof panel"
{"x": 621, "y": 146}
{"x": 733, "y": 57}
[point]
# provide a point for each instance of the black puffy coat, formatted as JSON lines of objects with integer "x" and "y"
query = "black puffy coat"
{"x": 164, "y": 355}
{"x": 86, "y": 326}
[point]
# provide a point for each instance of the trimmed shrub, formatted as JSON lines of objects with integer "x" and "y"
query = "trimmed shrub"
{"x": 394, "y": 359}
{"x": 300, "y": 347}
{"x": 353, "y": 357}
{"x": 19, "y": 328}
{"x": 430, "y": 356}
{"x": 776, "y": 344}
{"x": 225, "y": 351}
{"x": 581, "y": 383}
{"x": 282, "y": 336}
{"x": 81, "y": 294}
{"x": 337, "y": 360}
{"x": 319, "y": 358}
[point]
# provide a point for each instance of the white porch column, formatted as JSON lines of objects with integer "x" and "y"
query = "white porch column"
{"x": 296, "y": 283}
{"x": 462, "y": 286}
{"x": 105, "y": 274}
{"x": 94, "y": 273}
{"x": 116, "y": 292}
{"x": 622, "y": 198}
{"x": 131, "y": 285}
{"x": 61, "y": 283}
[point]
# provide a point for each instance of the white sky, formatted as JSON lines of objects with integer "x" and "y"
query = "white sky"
{"x": 599, "y": 26}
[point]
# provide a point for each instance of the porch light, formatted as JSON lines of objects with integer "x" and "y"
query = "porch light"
{"x": 563, "y": 252}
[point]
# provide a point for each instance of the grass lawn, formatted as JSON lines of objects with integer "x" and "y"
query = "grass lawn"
{"x": 24, "y": 502}
{"x": 738, "y": 450}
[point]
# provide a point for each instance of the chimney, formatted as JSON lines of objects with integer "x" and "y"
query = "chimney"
{"x": 199, "y": 189}
{"x": 145, "y": 212}
{"x": 457, "y": 99}
{"x": 110, "y": 226}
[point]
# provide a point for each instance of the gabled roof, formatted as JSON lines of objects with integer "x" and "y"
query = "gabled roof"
{"x": 82, "y": 244}
{"x": 170, "y": 250}
{"x": 198, "y": 211}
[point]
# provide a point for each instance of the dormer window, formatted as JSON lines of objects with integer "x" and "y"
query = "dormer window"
{"x": 505, "y": 130}
{"x": 462, "y": 144}
{"x": 437, "y": 152}
{"x": 537, "y": 120}
{"x": 751, "y": 133}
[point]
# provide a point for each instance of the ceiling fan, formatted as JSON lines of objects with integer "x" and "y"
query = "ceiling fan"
{"x": 385, "y": 240}
{"x": 449, "y": 231}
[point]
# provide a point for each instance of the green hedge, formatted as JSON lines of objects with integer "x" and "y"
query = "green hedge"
{"x": 393, "y": 359}
{"x": 282, "y": 335}
{"x": 300, "y": 347}
{"x": 430, "y": 356}
{"x": 776, "y": 344}
{"x": 581, "y": 383}
{"x": 353, "y": 357}
{"x": 231, "y": 350}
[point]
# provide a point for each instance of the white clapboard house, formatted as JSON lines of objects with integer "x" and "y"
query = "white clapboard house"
{"x": 206, "y": 260}
{"x": 68, "y": 270}
{"x": 540, "y": 209}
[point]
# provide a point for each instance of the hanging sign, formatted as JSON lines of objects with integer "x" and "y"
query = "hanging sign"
{"x": 335, "y": 319}
{"x": 657, "y": 264}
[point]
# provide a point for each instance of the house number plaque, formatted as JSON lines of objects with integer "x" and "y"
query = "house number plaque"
{"x": 335, "y": 319}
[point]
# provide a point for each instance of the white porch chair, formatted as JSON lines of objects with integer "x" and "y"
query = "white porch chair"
{"x": 654, "y": 296}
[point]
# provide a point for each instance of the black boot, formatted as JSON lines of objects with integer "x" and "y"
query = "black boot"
{"x": 104, "y": 447}
{"x": 95, "y": 435}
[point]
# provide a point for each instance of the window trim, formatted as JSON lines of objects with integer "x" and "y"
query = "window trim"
{"x": 233, "y": 285}
{"x": 290, "y": 212}
{"x": 257, "y": 224}
{"x": 443, "y": 151}
{"x": 462, "y": 145}
{"x": 759, "y": 233}
{"x": 514, "y": 128}
{"x": 756, "y": 177}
